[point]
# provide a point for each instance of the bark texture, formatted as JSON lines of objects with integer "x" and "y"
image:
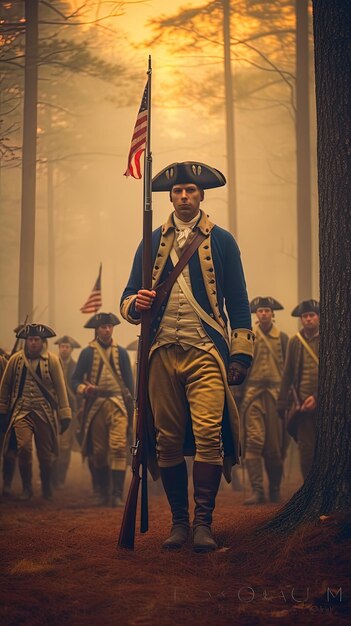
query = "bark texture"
{"x": 327, "y": 489}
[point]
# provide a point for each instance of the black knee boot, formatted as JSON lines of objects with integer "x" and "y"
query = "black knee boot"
{"x": 254, "y": 469}
{"x": 206, "y": 483}
{"x": 46, "y": 478}
{"x": 8, "y": 470}
{"x": 26, "y": 476}
{"x": 103, "y": 481}
{"x": 117, "y": 487}
{"x": 275, "y": 473}
{"x": 175, "y": 483}
{"x": 94, "y": 480}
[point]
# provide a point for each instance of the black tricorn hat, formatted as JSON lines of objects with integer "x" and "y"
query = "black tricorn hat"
{"x": 306, "y": 306}
{"x": 102, "y": 318}
{"x": 204, "y": 176}
{"x": 35, "y": 330}
{"x": 18, "y": 328}
{"x": 67, "y": 339}
{"x": 265, "y": 302}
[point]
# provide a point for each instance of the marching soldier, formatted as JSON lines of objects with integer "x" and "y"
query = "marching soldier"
{"x": 263, "y": 433}
{"x": 3, "y": 361}
{"x": 192, "y": 356}
{"x": 66, "y": 345}
{"x": 33, "y": 401}
{"x": 301, "y": 377}
{"x": 103, "y": 377}
{"x": 10, "y": 456}
{"x": 8, "y": 462}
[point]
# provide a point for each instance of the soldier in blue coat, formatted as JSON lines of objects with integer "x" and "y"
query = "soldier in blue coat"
{"x": 193, "y": 357}
{"x": 103, "y": 377}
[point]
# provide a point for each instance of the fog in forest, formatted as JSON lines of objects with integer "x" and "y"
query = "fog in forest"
{"x": 97, "y": 211}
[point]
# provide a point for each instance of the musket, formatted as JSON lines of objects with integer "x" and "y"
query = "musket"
{"x": 15, "y": 346}
{"x": 139, "y": 449}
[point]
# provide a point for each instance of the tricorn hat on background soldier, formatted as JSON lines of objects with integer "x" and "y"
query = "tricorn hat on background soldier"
{"x": 204, "y": 176}
{"x": 306, "y": 306}
{"x": 18, "y": 328}
{"x": 35, "y": 330}
{"x": 265, "y": 302}
{"x": 102, "y": 318}
{"x": 67, "y": 339}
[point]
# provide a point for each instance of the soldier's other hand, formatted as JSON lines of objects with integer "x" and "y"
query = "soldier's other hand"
{"x": 144, "y": 299}
{"x": 236, "y": 373}
{"x": 90, "y": 391}
{"x": 309, "y": 404}
{"x": 4, "y": 422}
{"x": 64, "y": 424}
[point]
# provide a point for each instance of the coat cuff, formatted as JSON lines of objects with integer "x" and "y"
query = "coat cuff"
{"x": 80, "y": 389}
{"x": 128, "y": 310}
{"x": 64, "y": 413}
{"x": 242, "y": 342}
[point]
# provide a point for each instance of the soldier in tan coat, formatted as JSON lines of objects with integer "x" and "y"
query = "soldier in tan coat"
{"x": 8, "y": 459}
{"x": 263, "y": 436}
{"x": 301, "y": 376}
{"x": 33, "y": 401}
{"x": 66, "y": 345}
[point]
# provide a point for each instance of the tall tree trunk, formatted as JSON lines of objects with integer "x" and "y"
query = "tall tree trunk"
{"x": 229, "y": 109}
{"x": 328, "y": 487}
{"x": 303, "y": 155}
{"x": 51, "y": 243}
{"x": 27, "y": 245}
{"x": 51, "y": 266}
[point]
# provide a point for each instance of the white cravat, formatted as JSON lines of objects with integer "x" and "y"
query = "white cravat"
{"x": 183, "y": 229}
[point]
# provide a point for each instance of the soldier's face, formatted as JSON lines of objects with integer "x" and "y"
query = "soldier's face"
{"x": 310, "y": 321}
{"x": 104, "y": 332}
{"x": 186, "y": 200}
{"x": 65, "y": 351}
{"x": 264, "y": 315}
{"x": 34, "y": 346}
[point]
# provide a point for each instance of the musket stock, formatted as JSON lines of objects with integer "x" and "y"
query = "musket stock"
{"x": 127, "y": 533}
{"x": 139, "y": 450}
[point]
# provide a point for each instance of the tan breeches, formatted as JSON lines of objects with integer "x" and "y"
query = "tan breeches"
{"x": 108, "y": 435}
{"x": 186, "y": 384}
{"x": 24, "y": 429}
{"x": 263, "y": 430}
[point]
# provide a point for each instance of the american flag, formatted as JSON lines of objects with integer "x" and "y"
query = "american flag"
{"x": 138, "y": 142}
{"x": 94, "y": 302}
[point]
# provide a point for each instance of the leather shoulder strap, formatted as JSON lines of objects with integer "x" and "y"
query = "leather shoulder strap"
{"x": 47, "y": 394}
{"x": 164, "y": 288}
{"x": 196, "y": 306}
{"x": 107, "y": 363}
{"x": 308, "y": 348}
{"x": 264, "y": 338}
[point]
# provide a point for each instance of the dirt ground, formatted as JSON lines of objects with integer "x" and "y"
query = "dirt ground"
{"x": 60, "y": 566}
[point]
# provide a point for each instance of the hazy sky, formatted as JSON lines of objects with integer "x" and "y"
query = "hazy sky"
{"x": 98, "y": 211}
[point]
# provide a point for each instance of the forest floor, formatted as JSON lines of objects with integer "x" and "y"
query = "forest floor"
{"x": 60, "y": 566}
